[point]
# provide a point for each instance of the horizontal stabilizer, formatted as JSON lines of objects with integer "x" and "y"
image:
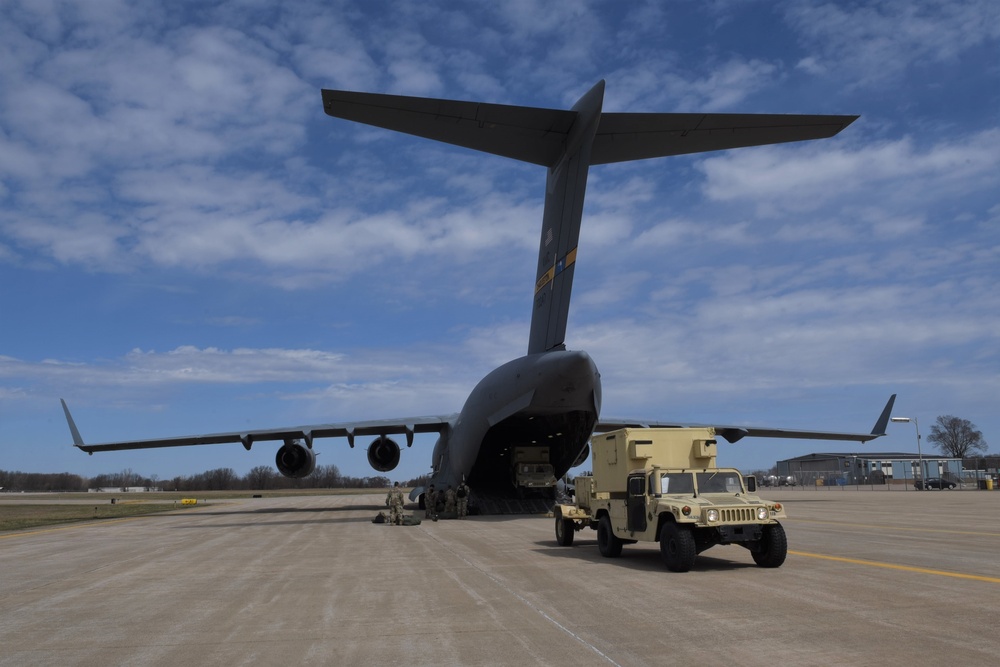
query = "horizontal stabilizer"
{"x": 528, "y": 134}
{"x": 538, "y": 135}
{"x": 638, "y": 136}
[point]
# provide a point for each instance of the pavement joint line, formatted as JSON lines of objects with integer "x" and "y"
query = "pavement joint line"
{"x": 526, "y": 601}
{"x": 894, "y": 566}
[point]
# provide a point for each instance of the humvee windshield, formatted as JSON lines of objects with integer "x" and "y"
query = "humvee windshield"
{"x": 676, "y": 482}
{"x": 708, "y": 482}
{"x": 719, "y": 482}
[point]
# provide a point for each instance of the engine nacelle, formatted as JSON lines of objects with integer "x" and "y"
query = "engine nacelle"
{"x": 582, "y": 457}
{"x": 295, "y": 460}
{"x": 383, "y": 454}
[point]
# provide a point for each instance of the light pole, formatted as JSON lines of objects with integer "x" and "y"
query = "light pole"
{"x": 920, "y": 456}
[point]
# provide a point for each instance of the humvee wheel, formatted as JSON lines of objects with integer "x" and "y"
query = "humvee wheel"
{"x": 772, "y": 548}
{"x": 564, "y": 531}
{"x": 607, "y": 543}
{"x": 677, "y": 547}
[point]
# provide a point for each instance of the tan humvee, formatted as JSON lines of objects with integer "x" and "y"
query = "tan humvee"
{"x": 662, "y": 485}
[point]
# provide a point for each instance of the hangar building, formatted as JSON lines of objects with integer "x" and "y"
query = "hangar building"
{"x": 841, "y": 468}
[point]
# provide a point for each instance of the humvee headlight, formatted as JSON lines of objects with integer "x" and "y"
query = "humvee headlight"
{"x": 762, "y": 513}
{"x": 777, "y": 507}
{"x": 686, "y": 511}
{"x": 712, "y": 515}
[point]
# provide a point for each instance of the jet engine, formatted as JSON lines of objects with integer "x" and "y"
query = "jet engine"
{"x": 383, "y": 454}
{"x": 295, "y": 460}
{"x": 582, "y": 457}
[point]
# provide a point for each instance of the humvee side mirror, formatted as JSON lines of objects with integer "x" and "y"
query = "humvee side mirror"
{"x": 751, "y": 484}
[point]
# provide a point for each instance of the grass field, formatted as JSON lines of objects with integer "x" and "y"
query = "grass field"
{"x": 21, "y": 516}
{"x": 19, "y": 511}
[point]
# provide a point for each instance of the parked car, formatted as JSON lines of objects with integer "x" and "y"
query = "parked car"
{"x": 935, "y": 483}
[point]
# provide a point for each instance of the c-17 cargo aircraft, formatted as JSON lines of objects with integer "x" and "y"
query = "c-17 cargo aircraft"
{"x": 530, "y": 420}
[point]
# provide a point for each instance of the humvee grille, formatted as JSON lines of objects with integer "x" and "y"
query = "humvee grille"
{"x": 738, "y": 514}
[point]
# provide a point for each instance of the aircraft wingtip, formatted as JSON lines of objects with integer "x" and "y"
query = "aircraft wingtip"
{"x": 77, "y": 440}
{"x": 883, "y": 419}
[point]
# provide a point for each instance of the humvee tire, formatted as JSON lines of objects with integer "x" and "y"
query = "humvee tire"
{"x": 677, "y": 547}
{"x": 607, "y": 542}
{"x": 772, "y": 548}
{"x": 564, "y": 531}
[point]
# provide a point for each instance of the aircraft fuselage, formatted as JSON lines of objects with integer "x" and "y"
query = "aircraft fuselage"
{"x": 550, "y": 399}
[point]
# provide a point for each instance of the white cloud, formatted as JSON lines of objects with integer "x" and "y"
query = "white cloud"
{"x": 805, "y": 178}
{"x": 190, "y": 149}
{"x": 874, "y": 41}
{"x": 666, "y": 85}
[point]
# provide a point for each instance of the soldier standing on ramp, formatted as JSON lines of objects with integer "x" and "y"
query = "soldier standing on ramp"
{"x": 462, "y": 498}
{"x": 430, "y": 503}
{"x": 449, "y": 500}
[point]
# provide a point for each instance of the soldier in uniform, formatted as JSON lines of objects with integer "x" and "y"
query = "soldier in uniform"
{"x": 449, "y": 499}
{"x": 430, "y": 503}
{"x": 462, "y": 498}
{"x": 395, "y": 501}
{"x": 438, "y": 503}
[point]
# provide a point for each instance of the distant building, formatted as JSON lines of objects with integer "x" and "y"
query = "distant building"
{"x": 839, "y": 468}
{"x": 125, "y": 489}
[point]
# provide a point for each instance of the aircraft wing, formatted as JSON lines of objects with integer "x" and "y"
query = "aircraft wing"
{"x": 349, "y": 430}
{"x": 735, "y": 433}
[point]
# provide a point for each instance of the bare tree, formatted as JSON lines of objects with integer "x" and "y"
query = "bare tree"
{"x": 260, "y": 477}
{"x": 220, "y": 479}
{"x": 326, "y": 477}
{"x": 956, "y": 437}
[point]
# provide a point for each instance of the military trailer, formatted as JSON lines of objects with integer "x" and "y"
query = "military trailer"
{"x": 662, "y": 485}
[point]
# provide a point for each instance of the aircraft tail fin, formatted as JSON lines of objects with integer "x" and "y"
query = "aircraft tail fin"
{"x": 568, "y": 143}
{"x": 565, "y": 188}
{"x": 558, "y": 139}
{"x": 77, "y": 440}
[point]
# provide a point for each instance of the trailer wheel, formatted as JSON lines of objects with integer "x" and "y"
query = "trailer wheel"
{"x": 564, "y": 531}
{"x": 772, "y": 548}
{"x": 677, "y": 547}
{"x": 608, "y": 544}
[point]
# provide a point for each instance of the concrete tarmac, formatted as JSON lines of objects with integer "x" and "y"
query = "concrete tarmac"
{"x": 872, "y": 578}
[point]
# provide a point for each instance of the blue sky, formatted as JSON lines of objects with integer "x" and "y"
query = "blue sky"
{"x": 188, "y": 244}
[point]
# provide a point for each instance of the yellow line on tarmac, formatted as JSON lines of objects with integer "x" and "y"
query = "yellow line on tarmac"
{"x": 893, "y": 566}
{"x": 905, "y": 529}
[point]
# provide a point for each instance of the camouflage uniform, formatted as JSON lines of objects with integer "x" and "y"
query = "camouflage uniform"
{"x": 430, "y": 502}
{"x": 462, "y": 497}
{"x": 449, "y": 499}
{"x": 395, "y": 501}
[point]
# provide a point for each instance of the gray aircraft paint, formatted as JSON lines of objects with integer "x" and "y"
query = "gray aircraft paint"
{"x": 551, "y": 396}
